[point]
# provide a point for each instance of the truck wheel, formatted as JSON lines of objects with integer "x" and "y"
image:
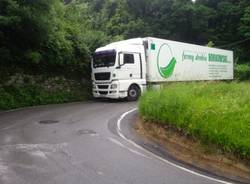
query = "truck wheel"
{"x": 133, "y": 93}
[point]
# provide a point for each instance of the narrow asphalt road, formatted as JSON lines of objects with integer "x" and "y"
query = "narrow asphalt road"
{"x": 78, "y": 143}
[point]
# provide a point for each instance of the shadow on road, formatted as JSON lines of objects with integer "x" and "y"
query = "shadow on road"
{"x": 106, "y": 100}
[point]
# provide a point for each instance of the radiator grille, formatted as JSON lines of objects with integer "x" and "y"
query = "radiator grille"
{"x": 102, "y": 76}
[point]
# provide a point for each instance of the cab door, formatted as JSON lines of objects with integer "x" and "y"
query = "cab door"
{"x": 130, "y": 65}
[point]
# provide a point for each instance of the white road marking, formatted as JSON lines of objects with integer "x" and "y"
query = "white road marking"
{"x": 160, "y": 158}
{"x": 122, "y": 145}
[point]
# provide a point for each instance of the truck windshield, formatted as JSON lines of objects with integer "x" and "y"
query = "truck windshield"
{"x": 104, "y": 58}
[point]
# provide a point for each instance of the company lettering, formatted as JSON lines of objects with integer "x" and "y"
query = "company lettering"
{"x": 201, "y": 57}
{"x": 187, "y": 56}
{"x": 217, "y": 58}
{"x": 193, "y": 56}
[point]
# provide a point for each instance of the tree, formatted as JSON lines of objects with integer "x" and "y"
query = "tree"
{"x": 26, "y": 26}
{"x": 245, "y": 23}
{"x": 53, "y": 34}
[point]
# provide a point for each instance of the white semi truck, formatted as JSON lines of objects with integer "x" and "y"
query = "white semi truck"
{"x": 123, "y": 69}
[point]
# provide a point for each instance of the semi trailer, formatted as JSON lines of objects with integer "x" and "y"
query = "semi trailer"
{"x": 124, "y": 69}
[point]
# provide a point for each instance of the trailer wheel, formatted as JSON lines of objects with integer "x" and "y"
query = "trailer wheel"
{"x": 133, "y": 93}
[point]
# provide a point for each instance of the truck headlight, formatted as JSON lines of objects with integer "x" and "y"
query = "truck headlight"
{"x": 94, "y": 86}
{"x": 113, "y": 86}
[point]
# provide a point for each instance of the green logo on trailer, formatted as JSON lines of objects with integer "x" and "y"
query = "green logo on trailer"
{"x": 165, "y": 61}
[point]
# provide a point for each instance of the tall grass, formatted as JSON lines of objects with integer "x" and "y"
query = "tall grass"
{"x": 215, "y": 113}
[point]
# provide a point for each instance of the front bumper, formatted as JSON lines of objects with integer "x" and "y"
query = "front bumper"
{"x": 104, "y": 90}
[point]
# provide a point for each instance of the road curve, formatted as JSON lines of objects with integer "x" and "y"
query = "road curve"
{"x": 78, "y": 143}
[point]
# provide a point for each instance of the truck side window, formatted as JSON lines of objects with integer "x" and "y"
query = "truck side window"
{"x": 129, "y": 58}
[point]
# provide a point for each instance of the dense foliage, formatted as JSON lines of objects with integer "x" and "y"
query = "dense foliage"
{"x": 242, "y": 72}
{"x": 52, "y": 38}
{"x": 21, "y": 90}
{"x": 56, "y": 35}
{"x": 215, "y": 113}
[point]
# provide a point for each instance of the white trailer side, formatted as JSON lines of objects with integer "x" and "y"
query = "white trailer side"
{"x": 176, "y": 61}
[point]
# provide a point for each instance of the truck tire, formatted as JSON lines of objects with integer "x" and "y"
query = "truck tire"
{"x": 134, "y": 93}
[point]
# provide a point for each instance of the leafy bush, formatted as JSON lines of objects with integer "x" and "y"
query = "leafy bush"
{"x": 215, "y": 113}
{"x": 26, "y": 90}
{"x": 242, "y": 72}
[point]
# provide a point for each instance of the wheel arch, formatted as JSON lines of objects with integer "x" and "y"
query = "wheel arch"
{"x": 135, "y": 84}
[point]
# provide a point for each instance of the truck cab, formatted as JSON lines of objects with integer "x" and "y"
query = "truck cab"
{"x": 119, "y": 70}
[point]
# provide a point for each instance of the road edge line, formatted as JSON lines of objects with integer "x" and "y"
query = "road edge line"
{"x": 118, "y": 123}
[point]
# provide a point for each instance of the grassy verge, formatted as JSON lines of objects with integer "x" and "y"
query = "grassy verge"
{"x": 215, "y": 113}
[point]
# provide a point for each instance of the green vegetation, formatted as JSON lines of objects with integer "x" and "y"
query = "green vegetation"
{"x": 242, "y": 72}
{"x": 11, "y": 97}
{"x": 215, "y": 113}
{"x": 27, "y": 90}
{"x": 43, "y": 34}
{"x": 57, "y": 37}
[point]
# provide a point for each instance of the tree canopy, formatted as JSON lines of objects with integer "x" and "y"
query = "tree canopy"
{"x": 63, "y": 34}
